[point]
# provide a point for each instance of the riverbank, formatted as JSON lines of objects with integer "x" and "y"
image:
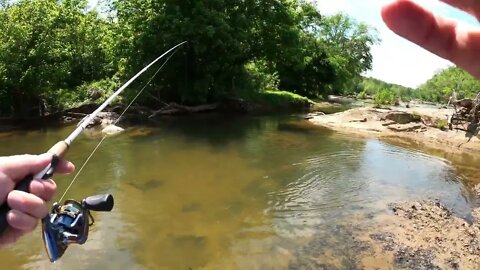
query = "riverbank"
{"x": 266, "y": 102}
{"x": 417, "y": 234}
{"x": 424, "y": 126}
{"x": 427, "y": 235}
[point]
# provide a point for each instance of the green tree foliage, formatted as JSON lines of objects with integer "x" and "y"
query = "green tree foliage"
{"x": 348, "y": 47}
{"x": 291, "y": 37}
{"x": 47, "y": 46}
{"x": 385, "y": 97}
{"x": 297, "y": 53}
{"x": 384, "y": 93}
{"x": 441, "y": 86}
{"x": 438, "y": 89}
{"x": 53, "y": 51}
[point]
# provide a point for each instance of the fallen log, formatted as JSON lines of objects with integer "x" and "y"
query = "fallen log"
{"x": 174, "y": 108}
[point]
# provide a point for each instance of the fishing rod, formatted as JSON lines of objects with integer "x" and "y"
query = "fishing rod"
{"x": 68, "y": 223}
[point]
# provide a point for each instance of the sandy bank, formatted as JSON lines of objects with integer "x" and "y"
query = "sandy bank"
{"x": 371, "y": 122}
{"x": 423, "y": 234}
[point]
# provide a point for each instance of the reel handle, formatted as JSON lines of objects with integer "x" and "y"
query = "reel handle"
{"x": 102, "y": 202}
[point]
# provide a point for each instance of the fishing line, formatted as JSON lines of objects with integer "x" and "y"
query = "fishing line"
{"x": 115, "y": 123}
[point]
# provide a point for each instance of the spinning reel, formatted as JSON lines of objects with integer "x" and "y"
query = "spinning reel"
{"x": 69, "y": 223}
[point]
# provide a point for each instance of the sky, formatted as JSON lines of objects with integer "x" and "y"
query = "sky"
{"x": 396, "y": 60}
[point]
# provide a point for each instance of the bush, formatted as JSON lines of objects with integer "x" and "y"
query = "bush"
{"x": 69, "y": 98}
{"x": 362, "y": 95}
{"x": 442, "y": 124}
{"x": 385, "y": 97}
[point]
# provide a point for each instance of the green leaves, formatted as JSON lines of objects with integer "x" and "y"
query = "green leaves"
{"x": 441, "y": 86}
{"x": 55, "y": 50}
{"x": 384, "y": 93}
{"x": 348, "y": 46}
{"x": 48, "y": 45}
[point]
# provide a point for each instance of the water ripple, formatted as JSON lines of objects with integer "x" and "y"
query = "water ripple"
{"x": 374, "y": 175}
{"x": 326, "y": 183}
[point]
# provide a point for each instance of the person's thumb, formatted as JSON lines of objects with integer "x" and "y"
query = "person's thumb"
{"x": 17, "y": 167}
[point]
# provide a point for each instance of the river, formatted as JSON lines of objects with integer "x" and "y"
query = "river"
{"x": 223, "y": 192}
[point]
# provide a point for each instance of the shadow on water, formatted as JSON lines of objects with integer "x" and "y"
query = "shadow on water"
{"x": 219, "y": 130}
{"x": 218, "y": 192}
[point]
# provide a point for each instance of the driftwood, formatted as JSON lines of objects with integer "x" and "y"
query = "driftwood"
{"x": 467, "y": 116}
{"x": 174, "y": 108}
{"x": 462, "y": 103}
{"x": 76, "y": 115}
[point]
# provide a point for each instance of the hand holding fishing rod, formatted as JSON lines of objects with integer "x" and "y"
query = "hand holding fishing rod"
{"x": 67, "y": 223}
{"x": 26, "y": 208}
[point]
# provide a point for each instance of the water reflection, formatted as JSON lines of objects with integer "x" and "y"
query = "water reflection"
{"x": 235, "y": 193}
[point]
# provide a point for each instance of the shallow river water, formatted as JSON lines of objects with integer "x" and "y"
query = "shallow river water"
{"x": 213, "y": 192}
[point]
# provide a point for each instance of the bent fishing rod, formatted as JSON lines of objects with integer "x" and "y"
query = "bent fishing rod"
{"x": 68, "y": 223}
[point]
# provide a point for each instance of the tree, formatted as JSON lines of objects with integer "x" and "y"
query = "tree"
{"x": 225, "y": 36}
{"x": 348, "y": 45}
{"x": 47, "y": 45}
{"x": 53, "y": 50}
{"x": 383, "y": 92}
{"x": 441, "y": 86}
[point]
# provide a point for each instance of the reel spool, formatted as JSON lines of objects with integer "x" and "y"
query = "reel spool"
{"x": 69, "y": 223}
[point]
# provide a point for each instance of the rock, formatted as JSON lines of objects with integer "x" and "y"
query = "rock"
{"x": 428, "y": 120}
{"x": 399, "y": 117}
{"x": 405, "y": 128}
{"x": 312, "y": 115}
{"x": 415, "y": 258}
{"x": 112, "y": 130}
{"x": 388, "y": 240}
{"x": 107, "y": 118}
{"x": 389, "y": 123}
{"x": 476, "y": 188}
{"x": 95, "y": 121}
{"x": 476, "y": 216}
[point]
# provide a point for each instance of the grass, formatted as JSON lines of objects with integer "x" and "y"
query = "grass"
{"x": 282, "y": 98}
{"x": 442, "y": 124}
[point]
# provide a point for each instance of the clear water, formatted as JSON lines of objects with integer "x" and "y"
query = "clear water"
{"x": 212, "y": 192}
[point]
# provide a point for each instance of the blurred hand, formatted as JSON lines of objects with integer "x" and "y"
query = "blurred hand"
{"x": 26, "y": 208}
{"x": 436, "y": 34}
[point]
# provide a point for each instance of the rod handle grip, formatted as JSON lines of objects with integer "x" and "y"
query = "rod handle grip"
{"x": 59, "y": 149}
